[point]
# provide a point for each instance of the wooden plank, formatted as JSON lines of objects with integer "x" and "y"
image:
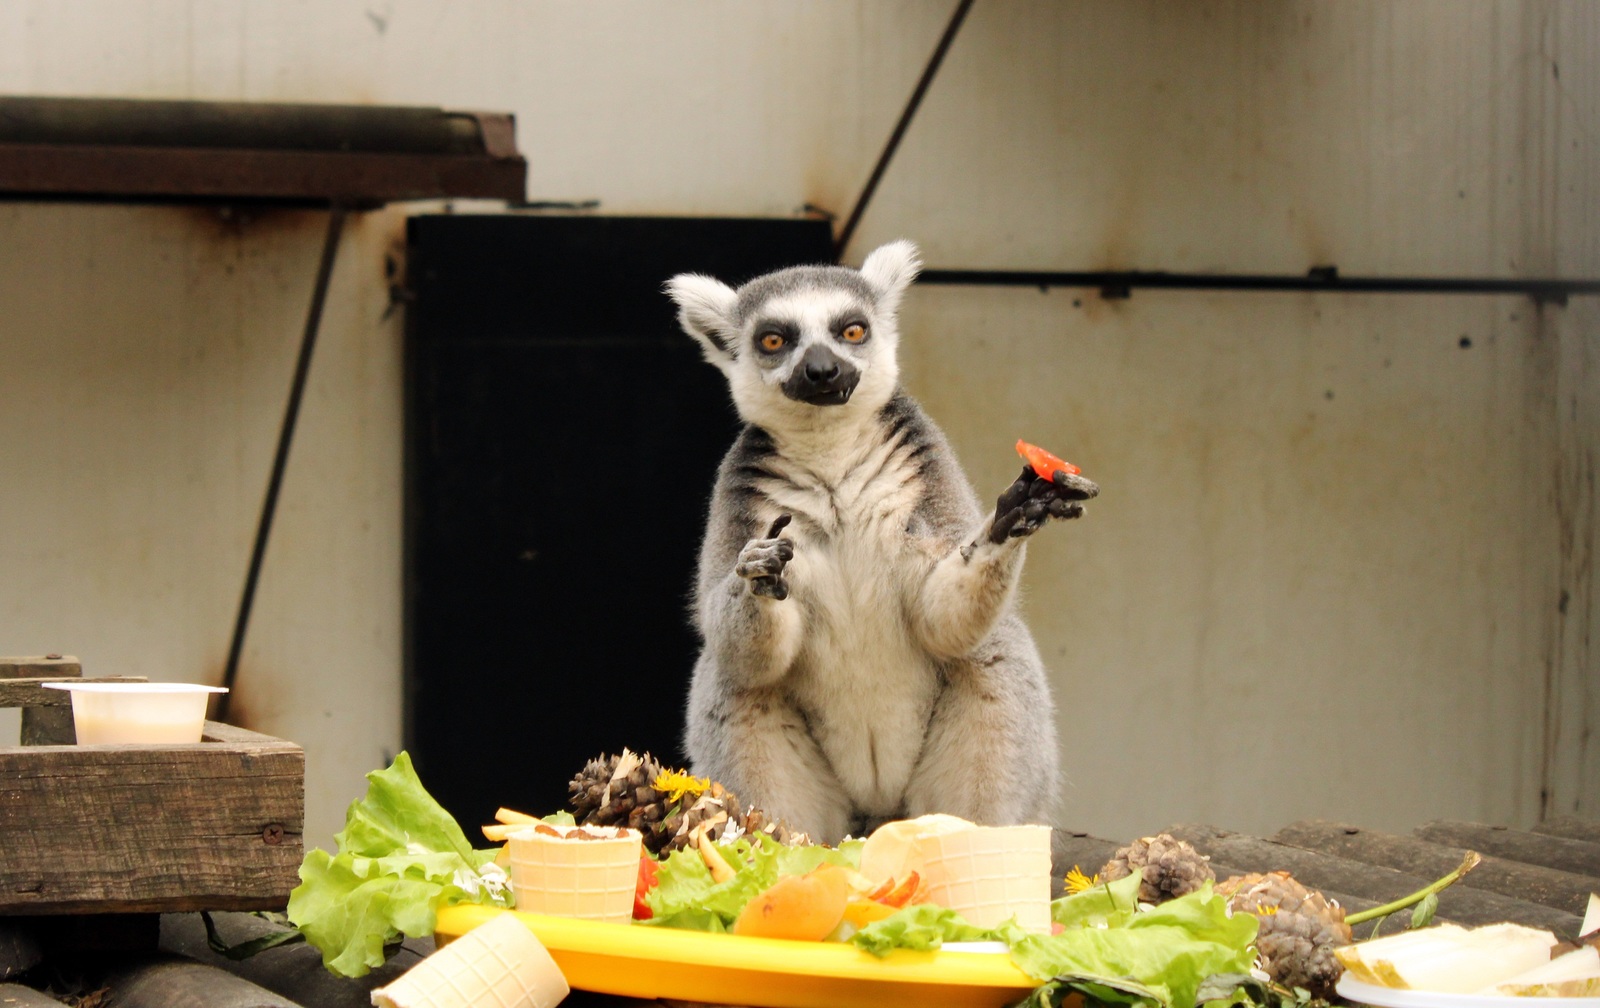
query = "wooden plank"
{"x": 42, "y": 666}
{"x": 1238, "y": 854}
{"x": 101, "y": 829}
{"x": 30, "y": 692}
{"x": 1564, "y": 891}
{"x": 1561, "y": 853}
{"x": 1573, "y": 829}
{"x": 359, "y": 178}
{"x": 233, "y": 735}
{"x": 1359, "y": 885}
{"x": 1070, "y": 850}
{"x": 44, "y": 726}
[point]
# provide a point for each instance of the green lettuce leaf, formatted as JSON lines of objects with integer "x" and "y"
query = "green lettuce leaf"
{"x": 396, "y": 813}
{"x": 922, "y": 927}
{"x": 1108, "y": 904}
{"x": 687, "y": 897}
{"x": 1159, "y": 956}
{"x": 401, "y": 857}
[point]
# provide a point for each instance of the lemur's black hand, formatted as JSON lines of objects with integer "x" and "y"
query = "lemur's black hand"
{"x": 761, "y": 562}
{"x": 1028, "y": 503}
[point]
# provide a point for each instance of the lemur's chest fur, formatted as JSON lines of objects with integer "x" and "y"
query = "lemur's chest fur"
{"x": 861, "y": 550}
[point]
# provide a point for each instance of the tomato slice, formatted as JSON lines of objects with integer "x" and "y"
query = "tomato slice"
{"x": 649, "y": 877}
{"x": 1045, "y": 464}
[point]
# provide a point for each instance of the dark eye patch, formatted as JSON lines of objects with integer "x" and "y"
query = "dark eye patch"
{"x": 842, "y": 323}
{"x": 788, "y": 331}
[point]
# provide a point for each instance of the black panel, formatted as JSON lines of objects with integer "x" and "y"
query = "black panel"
{"x": 563, "y": 436}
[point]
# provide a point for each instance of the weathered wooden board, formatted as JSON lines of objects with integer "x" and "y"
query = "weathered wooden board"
{"x": 31, "y": 693}
{"x": 1358, "y": 885}
{"x": 1566, "y": 891}
{"x": 1561, "y": 853}
{"x": 136, "y": 828}
{"x": 43, "y": 724}
{"x": 1573, "y": 829}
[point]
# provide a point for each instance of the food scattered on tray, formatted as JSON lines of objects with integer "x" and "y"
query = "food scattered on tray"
{"x": 649, "y": 846}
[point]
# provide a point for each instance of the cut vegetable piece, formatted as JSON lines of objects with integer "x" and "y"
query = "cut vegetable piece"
{"x": 1044, "y": 464}
{"x": 1576, "y": 974}
{"x": 891, "y": 853}
{"x": 800, "y": 907}
{"x": 505, "y": 815}
{"x": 1448, "y": 959}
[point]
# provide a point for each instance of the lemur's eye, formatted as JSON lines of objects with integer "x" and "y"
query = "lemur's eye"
{"x": 772, "y": 342}
{"x": 854, "y": 333}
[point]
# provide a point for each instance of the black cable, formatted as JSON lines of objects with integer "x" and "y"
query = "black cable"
{"x": 900, "y": 127}
{"x": 1120, "y": 284}
{"x": 280, "y": 460}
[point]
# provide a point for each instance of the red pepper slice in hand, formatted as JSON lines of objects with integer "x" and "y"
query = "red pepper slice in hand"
{"x": 1045, "y": 464}
{"x": 649, "y": 872}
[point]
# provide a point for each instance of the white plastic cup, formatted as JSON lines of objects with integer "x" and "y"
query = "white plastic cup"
{"x": 587, "y": 879}
{"x": 121, "y": 713}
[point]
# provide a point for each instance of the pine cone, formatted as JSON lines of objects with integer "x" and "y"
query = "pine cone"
{"x": 1170, "y": 866}
{"x": 619, "y": 791}
{"x": 1300, "y": 928}
{"x": 616, "y": 791}
{"x": 717, "y": 808}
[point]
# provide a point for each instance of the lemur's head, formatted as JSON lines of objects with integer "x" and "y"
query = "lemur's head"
{"x": 804, "y": 339}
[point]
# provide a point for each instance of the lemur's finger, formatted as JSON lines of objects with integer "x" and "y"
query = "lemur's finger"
{"x": 1060, "y": 507}
{"x": 772, "y": 587}
{"x": 785, "y": 550}
{"x": 1004, "y": 524}
{"x": 778, "y": 525}
{"x": 1076, "y": 487}
{"x": 1016, "y": 493}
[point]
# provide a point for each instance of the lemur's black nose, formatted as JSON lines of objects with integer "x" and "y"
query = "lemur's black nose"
{"x": 822, "y": 370}
{"x": 821, "y": 378}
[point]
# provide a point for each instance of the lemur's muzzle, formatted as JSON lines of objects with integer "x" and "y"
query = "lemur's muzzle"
{"x": 821, "y": 378}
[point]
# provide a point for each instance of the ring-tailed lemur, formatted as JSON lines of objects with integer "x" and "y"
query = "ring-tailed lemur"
{"x": 863, "y": 658}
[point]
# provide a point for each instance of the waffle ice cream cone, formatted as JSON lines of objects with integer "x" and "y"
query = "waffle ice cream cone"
{"x": 990, "y": 873}
{"x": 985, "y": 873}
{"x": 499, "y": 964}
{"x": 569, "y": 877}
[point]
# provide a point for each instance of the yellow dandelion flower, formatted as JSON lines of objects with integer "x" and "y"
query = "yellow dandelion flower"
{"x": 1265, "y": 909}
{"x": 1077, "y": 881}
{"x": 676, "y": 783}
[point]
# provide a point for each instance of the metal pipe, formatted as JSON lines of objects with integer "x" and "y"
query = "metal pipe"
{"x": 900, "y": 127}
{"x": 280, "y": 459}
{"x": 1120, "y": 284}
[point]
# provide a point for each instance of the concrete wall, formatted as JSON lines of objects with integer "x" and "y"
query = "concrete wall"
{"x": 1342, "y": 564}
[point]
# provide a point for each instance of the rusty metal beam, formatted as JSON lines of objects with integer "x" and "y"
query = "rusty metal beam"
{"x": 356, "y": 156}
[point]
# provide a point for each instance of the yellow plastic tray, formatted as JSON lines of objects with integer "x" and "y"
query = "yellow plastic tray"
{"x": 647, "y": 962}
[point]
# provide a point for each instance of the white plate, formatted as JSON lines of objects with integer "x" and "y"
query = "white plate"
{"x": 1392, "y": 997}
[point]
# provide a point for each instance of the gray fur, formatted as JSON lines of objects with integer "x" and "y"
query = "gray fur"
{"x": 891, "y": 675}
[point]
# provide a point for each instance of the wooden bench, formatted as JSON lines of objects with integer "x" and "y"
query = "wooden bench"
{"x": 116, "y": 829}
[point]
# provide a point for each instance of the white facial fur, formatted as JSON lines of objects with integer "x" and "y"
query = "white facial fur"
{"x": 810, "y": 300}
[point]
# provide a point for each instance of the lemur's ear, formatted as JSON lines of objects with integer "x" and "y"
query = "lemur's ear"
{"x": 889, "y": 270}
{"x": 704, "y": 309}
